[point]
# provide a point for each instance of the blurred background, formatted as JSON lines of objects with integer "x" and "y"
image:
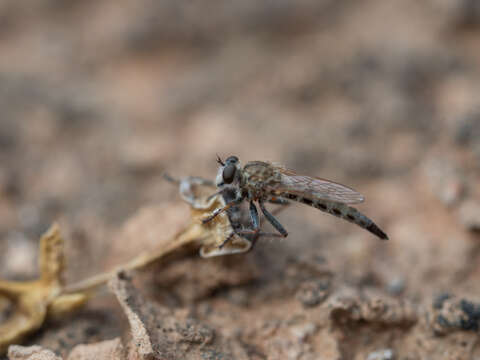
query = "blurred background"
{"x": 99, "y": 98}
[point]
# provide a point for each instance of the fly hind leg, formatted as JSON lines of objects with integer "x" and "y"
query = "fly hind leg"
{"x": 271, "y": 219}
{"x": 256, "y": 224}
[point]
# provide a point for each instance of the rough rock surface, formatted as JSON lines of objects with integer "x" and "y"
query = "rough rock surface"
{"x": 99, "y": 98}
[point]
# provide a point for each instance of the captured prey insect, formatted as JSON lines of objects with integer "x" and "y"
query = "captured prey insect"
{"x": 264, "y": 182}
{"x": 227, "y": 233}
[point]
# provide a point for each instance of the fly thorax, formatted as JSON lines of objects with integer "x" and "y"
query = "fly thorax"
{"x": 250, "y": 192}
{"x": 241, "y": 178}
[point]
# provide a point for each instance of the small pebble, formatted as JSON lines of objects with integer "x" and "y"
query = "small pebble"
{"x": 313, "y": 292}
{"x": 385, "y": 354}
{"x": 396, "y": 286}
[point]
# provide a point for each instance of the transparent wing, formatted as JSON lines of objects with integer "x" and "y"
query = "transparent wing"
{"x": 315, "y": 188}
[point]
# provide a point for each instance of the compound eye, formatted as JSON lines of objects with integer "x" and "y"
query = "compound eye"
{"x": 229, "y": 173}
{"x": 232, "y": 160}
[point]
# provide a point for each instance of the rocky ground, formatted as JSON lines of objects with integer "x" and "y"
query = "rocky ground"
{"x": 99, "y": 98}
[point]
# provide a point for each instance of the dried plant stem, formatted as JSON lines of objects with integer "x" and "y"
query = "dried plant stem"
{"x": 192, "y": 233}
{"x": 9, "y": 289}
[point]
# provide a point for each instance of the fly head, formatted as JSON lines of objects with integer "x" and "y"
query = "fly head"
{"x": 229, "y": 172}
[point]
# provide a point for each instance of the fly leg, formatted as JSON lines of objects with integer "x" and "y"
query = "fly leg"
{"x": 227, "y": 239}
{"x": 256, "y": 224}
{"x": 216, "y": 212}
{"x": 276, "y": 224}
{"x": 254, "y": 217}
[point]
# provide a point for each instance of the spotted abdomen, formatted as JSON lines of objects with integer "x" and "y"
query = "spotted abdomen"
{"x": 340, "y": 210}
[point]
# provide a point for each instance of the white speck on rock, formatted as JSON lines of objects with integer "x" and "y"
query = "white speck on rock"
{"x": 385, "y": 354}
{"x": 301, "y": 332}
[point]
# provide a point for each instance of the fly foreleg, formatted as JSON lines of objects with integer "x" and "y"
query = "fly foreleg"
{"x": 227, "y": 239}
{"x": 218, "y": 211}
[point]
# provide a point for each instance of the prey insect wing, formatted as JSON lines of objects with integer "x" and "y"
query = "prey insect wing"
{"x": 315, "y": 188}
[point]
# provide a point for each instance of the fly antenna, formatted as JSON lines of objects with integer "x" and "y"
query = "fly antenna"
{"x": 170, "y": 178}
{"x": 219, "y": 160}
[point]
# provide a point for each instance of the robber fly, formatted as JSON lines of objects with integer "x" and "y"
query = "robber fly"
{"x": 264, "y": 182}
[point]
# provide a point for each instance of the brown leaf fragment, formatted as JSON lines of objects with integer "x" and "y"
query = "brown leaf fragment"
{"x": 31, "y": 299}
{"x": 35, "y": 352}
{"x": 25, "y": 320}
{"x": 52, "y": 257}
{"x": 123, "y": 290}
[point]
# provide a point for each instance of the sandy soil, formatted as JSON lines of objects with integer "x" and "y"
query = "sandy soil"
{"x": 99, "y": 98}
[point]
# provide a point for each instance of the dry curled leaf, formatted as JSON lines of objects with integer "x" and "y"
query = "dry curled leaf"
{"x": 36, "y": 300}
{"x": 196, "y": 191}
